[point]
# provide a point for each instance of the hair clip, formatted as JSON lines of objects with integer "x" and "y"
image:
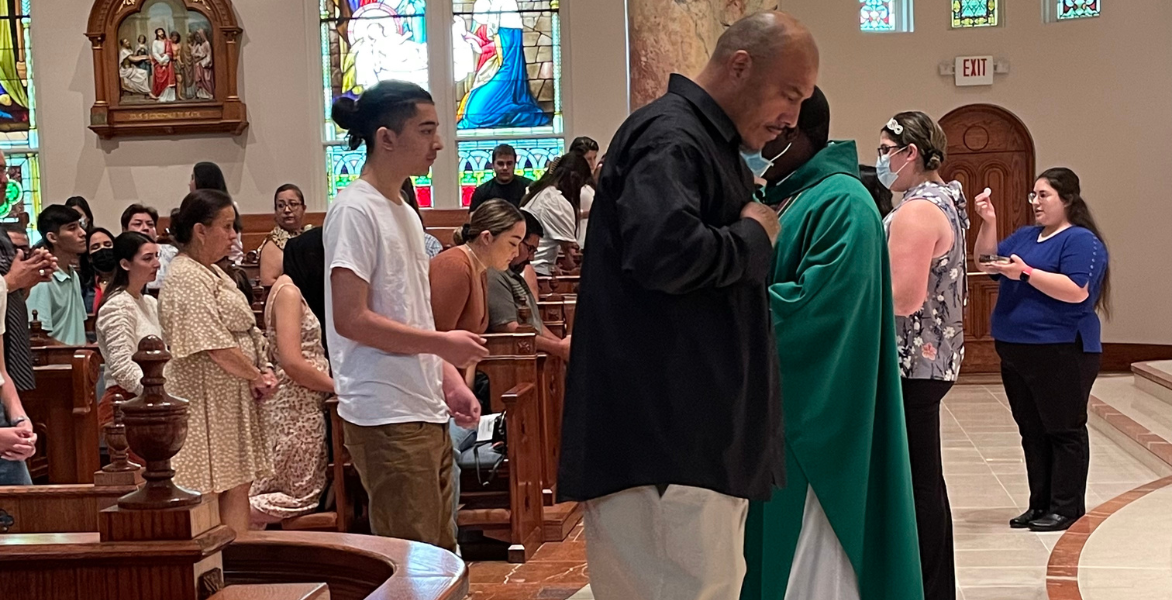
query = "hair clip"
{"x": 895, "y": 127}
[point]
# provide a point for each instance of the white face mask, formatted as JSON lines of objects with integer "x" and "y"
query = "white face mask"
{"x": 883, "y": 170}
{"x": 760, "y": 165}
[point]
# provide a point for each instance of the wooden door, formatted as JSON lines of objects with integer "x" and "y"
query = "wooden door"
{"x": 988, "y": 147}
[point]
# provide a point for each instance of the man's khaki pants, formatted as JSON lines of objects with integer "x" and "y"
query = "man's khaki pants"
{"x": 406, "y": 469}
{"x": 686, "y": 544}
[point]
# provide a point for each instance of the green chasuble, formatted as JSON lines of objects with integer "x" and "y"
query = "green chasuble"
{"x": 846, "y": 439}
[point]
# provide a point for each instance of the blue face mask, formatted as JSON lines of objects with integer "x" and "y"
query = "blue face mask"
{"x": 760, "y": 165}
{"x": 884, "y": 173}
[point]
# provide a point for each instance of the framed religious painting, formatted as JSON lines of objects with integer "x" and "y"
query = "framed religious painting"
{"x": 165, "y": 67}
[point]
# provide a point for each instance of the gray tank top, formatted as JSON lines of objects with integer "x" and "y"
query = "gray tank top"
{"x": 931, "y": 340}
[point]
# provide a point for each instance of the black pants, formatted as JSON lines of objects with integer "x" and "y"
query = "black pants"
{"x": 921, "y": 404}
{"x": 1048, "y": 386}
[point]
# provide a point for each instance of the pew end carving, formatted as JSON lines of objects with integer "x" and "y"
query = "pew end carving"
{"x": 509, "y": 509}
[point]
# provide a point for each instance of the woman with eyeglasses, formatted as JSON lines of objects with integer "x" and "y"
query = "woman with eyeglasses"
{"x": 289, "y": 215}
{"x": 926, "y": 237}
{"x": 1053, "y": 280}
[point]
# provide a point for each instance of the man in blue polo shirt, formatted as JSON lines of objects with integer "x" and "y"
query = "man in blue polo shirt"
{"x": 58, "y": 302}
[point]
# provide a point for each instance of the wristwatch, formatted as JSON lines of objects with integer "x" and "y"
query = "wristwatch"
{"x": 17, "y": 421}
{"x": 1025, "y": 273}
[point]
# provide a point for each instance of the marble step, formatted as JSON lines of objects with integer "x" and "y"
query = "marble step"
{"x": 1155, "y": 378}
{"x": 1139, "y": 422}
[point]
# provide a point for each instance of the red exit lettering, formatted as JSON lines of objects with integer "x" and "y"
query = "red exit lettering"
{"x": 975, "y": 67}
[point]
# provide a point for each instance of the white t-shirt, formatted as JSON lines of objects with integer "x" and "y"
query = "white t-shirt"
{"x": 558, "y": 219}
{"x": 381, "y": 241}
{"x": 587, "y": 200}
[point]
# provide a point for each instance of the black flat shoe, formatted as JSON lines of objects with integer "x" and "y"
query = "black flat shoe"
{"x": 1023, "y": 520}
{"x": 1052, "y": 522}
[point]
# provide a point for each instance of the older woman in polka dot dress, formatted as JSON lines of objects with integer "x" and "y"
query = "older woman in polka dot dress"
{"x": 218, "y": 360}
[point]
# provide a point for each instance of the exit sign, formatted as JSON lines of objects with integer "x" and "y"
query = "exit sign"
{"x": 974, "y": 70}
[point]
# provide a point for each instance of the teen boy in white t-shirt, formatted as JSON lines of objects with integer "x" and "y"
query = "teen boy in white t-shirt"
{"x": 396, "y": 376}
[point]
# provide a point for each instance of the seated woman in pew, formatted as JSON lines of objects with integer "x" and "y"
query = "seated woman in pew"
{"x": 126, "y": 315}
{"x": 508, "y": 289}
{"x": 219, "y": 362}
{"x": 459, "y": 275}
{"x": 294, "y": 419}
{"x": 555, "y": 200}
{"x": 289, "y": 214}
{"x": 459, "y": 290}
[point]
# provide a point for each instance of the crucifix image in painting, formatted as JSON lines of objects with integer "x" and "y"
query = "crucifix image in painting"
{"x": 170, "y": 58}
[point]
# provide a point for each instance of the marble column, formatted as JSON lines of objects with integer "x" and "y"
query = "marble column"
{"x": 677, "y": 36}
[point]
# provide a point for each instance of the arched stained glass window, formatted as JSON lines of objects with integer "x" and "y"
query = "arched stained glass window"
{"x": 975, "y": 13}
{"x": 19, "y": 139}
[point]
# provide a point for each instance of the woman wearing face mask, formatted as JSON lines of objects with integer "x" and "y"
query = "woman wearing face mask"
{"x": 1053, "y": 279}
{"x": 926, "y": 237}
{"x": 99, "y": 267}
{"x": 126, "y": 315}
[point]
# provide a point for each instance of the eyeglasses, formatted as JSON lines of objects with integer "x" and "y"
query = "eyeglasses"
{"x": 1033, "y": 198}
{"x": 885, "y": 150}
{"x": 289, "y": 206}
{"x": 528, "y": 248}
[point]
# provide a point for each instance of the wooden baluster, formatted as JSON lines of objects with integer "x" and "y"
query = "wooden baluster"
{"x": 116, "y": 441}
{"x": 156, "y": 427}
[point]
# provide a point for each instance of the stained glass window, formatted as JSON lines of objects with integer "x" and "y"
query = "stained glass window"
{"x": 506, "y": 58}
{"x": 876, "y": 15}
{"x": 364, "y": 42}
{"x": 975, "y": 13}
{"x": 885, "y": 16}
{"x": 19, "y": 139}
{"x": 344, "y": 166}
{"x": 533, "y": 156}
{"x": 1066, "y": 10}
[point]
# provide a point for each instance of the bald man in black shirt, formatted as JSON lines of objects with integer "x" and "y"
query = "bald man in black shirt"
{"x": 673, "y": 407}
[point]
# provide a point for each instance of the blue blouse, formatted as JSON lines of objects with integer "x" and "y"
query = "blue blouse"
{"x": 1025, "y": 315}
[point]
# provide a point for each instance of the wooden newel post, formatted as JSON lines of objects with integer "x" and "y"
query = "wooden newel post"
{"x": 156, "y": 427}
{"x": 116, "y": 441}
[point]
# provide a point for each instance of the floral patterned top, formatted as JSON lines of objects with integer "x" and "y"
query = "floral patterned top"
{"x": 931, "y": 340}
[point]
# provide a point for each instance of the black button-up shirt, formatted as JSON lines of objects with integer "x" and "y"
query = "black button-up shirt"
{"x": 674, "y": 375}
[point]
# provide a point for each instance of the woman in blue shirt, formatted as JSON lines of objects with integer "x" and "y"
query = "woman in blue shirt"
{"x": 1053, "y": 280}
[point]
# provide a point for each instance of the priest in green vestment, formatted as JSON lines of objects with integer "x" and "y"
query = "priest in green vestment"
{"x": 844, "y": 527}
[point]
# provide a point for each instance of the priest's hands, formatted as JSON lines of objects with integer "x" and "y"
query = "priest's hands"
{"x": 764, "y": 216}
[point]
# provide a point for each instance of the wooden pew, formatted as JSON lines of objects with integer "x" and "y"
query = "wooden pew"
{"x": 510, "y": 508}
{"x": 562, "y": 285}
{"x": 64, "y": 412}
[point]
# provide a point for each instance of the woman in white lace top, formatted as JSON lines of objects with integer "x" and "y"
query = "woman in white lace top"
{"x": 127, "y": 315}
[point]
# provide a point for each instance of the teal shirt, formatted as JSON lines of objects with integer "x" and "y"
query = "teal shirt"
{"x": 60, "y": 307}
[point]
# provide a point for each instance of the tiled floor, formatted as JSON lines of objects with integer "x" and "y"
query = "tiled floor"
{"x": 987, "y": 486}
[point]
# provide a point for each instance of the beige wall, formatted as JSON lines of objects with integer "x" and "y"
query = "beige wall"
{"x": 1096, "y": 95}
{"x": 281, "y": 84}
